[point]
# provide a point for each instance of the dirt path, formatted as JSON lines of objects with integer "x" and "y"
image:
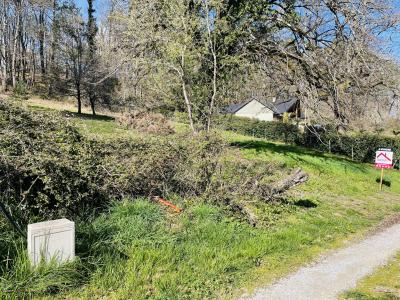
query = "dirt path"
{"x": 337, "y": 272}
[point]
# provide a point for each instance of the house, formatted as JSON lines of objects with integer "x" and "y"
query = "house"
{"x": 265, "y": 111}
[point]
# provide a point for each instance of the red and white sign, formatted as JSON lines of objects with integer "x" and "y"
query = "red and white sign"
{"x": 384, "y": 159}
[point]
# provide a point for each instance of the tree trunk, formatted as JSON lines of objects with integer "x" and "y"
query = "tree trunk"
{"x": 188, "y": 105}
{"x": 92, "y": 31}
{"x": 41, "y": 42}
{"x": 296, "y": 178}
{"x": 53, "y": 74}
{"x": 33, "y": 64}
{"x": 184, "y": 90}
{"x": 340, "y": 118}
{"x": 23, "y": 50}
{"x": 212, "y": 47}
{"x": 10, "y": 219}
{"x": 3, "y": 49}
{"x": 92, "y": 105}
{"x": 78, "y": 97}
{"x": 15, "y": 43}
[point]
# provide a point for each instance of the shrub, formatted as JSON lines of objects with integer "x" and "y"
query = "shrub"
{"x": 153, "y": 123}
{"x": 20, "y": 90}
{"x": 360, "y": 147}
{"x": 276, "y": 131}
{"x": 160, "y": 166}
{"x": 48, "y": 169}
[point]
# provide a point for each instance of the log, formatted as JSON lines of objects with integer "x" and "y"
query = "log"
{"x": 298, "y": 177}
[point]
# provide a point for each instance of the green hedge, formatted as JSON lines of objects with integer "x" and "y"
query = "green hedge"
{"x": 358, "y": 147}
{"x": 276, "y": 131}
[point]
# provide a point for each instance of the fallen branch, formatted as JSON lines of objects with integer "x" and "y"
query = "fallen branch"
{"x": 11, "y": 220}
{"x": 298, "y": 177}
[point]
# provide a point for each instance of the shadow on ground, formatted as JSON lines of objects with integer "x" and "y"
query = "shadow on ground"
{"x": 85, "y": 116}
{"x": 385, "y": 182}
{"x": 299, "y": 154}
{"x": 305, "y": 203}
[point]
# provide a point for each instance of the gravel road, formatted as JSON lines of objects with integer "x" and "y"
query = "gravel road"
{"x": 337, "y": 272}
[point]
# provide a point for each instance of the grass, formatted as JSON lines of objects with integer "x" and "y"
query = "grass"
{"x": 101, "y": 126}
{"x": 384, "y": 284}
{"x": 139, "y": 251}
{"x": 23, "y": 281}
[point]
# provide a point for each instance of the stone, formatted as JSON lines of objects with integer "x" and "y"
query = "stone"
{"x": 51, "y": 239}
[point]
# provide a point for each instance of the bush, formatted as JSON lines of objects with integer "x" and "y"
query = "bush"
{"x": 160, "y": 166}
{"x": 21, "y": 90}
{"x": 360, "y": 147}
{"x": 47, "y": 169}
{"x": 276, "y": 131}
{"x": 153, "y": 123}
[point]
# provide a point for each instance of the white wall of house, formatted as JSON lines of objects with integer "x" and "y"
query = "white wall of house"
{"x": 255, "y": 110}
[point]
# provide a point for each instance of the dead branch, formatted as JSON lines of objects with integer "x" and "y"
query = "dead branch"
{"x": 298, "y": 177}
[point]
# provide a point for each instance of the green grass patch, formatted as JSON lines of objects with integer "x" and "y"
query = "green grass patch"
{"x": 21, "y": 280}
{"x": 98, "y": 126}
{"x": 384, "y": 284}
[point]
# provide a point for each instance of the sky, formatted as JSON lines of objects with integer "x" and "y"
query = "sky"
{"x": 101, "y": 7}
{"x": 392, "y": 38}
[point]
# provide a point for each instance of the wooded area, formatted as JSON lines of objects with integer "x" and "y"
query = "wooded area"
{"x": 199, "y": 55}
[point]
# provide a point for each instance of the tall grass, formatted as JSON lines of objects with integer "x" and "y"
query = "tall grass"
{"x": 19, "y": 279}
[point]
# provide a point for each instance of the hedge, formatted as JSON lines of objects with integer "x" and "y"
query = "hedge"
{"x": 276, "y": 131}
{"x": 359, "y": 147}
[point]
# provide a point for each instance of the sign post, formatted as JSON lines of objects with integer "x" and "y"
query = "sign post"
{"x": 383, "y": 160}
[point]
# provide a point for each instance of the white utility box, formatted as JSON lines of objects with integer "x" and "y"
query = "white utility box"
{"x": 51, "y": 239}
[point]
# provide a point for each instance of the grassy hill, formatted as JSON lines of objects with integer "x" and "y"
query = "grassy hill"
{"x": 138, "y": 249}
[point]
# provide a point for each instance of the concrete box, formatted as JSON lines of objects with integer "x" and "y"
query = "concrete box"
{"x": 51, "y": 239}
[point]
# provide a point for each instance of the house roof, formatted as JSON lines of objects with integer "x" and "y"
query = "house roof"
{"x": 233, "y": 108}
{"x": 283, "y": 106}
{"x": 278, "y": 107}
